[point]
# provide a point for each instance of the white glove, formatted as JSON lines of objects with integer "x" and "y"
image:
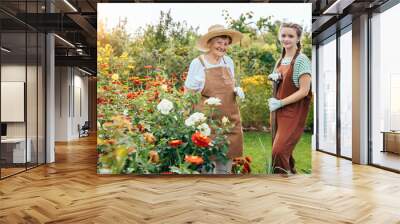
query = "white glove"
{"x": 239, "y": 92}
{"x": 274, "y": 104}
{"x": 275, "y": 76}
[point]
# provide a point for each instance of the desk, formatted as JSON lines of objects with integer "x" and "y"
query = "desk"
{"x": 391, "y": 141}
{"x": 16, "y": 148}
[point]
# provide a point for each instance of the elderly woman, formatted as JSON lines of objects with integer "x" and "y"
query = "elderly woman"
{"x": 212, "y": 74}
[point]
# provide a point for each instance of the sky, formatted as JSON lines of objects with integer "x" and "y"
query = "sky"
{"x": 201, "y": 15}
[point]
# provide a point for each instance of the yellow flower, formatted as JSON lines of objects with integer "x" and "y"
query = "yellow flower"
{"x": 121, "y": 153}
{"x": 100, "y": 141}
{"x": 124, "y": 56}
{"x": 115, "y": 76}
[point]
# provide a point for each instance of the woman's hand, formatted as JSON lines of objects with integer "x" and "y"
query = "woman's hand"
{"x": 275, "y": 76}
{"x": 274, "y": 104}
{"x": 239, "y": 92}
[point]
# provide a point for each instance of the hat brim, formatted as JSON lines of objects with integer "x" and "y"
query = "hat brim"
{"x": 202, "y": 41}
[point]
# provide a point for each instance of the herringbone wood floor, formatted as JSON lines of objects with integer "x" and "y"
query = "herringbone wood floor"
{"x": 70, "y": 191}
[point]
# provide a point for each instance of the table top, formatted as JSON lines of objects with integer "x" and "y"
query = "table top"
{"x": 392, "y": 131}
{"x": 14, "y": 140}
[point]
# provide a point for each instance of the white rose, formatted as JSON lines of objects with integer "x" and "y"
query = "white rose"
{"x": 189, "y": 122}
{"x": 225, "y": 120}
{"x": 204, "y": 129}
{"x": 195, "y": 118}
{"x": 104, "y": 171}
{"x": 165, "y": 106}
{"x": 198, "y": 117}
{"x": 213, "y": 101}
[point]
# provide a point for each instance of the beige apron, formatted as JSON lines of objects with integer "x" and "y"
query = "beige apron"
{"x": 219, "y": 83}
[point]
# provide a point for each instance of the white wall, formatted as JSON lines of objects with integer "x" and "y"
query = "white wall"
{"x": 70, "y": 83}
{"x": 33, "y": 127}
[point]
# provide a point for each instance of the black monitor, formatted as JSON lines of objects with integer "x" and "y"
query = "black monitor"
{"x": 3, "y": 129}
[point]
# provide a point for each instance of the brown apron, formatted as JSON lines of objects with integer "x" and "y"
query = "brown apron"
{"x": 290, "y": 122}
{"x": 219, "y": 83}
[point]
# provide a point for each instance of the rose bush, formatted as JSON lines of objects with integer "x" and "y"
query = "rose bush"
{"x": 146, "y": 124}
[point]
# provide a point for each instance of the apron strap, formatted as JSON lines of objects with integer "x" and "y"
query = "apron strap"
{"x": 223, "y": 59}
{"x": 202, "y": 61}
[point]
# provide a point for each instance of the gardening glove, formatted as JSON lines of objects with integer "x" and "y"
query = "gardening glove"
{"x": 239, "y": 92}
{"x": 275, "y": 76}
{"x": 274, "y": 104}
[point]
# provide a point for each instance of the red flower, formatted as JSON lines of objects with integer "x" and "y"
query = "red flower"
{"x": 116, "y": 82}
{"x": 106, "y": 88}
{"x": 200, "y": 139}
{"x": 101, "y": 100}
{"x": 196, "y": 160}
{"x": 137, "y": 82}
{"x": 246, "y": 168}
{"x": 141, "y": 127}
{"x": 130, "y": 96}
{"x": 175, "y": 143}
{"x": 148, "y": 67}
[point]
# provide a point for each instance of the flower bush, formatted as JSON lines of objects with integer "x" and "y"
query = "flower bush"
{"x": 253, "y": 109}
{"x": 146, "y": 124}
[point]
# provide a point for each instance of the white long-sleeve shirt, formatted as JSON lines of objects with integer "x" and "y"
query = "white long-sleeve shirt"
{"x": 196, "y": 76}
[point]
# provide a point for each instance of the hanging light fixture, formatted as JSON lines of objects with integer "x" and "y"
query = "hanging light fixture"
{"x": 5, "y": 50}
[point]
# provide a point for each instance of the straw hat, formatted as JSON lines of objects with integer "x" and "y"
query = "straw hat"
{"x": 214, "y": 31}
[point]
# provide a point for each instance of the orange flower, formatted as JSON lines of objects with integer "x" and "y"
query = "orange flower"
{"x": 106, "y": 88}
{"x": 149, "y": 137}
{"x": 110, "y": 141}
{"x": 196, "y": 160}
{"x": 148, "y": 67}
{"x": 154, "y": 157}
{"x": 175, "y": 143}
{"x": 131, "y": 150}
{"x": 248, "y": 159}
{"x": 239, "y": 160}
{"x": 200, "y": 139}
{"x": 103, "y": 65}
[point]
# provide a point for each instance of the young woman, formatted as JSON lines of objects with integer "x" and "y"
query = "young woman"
{"x": 292, "y": 100}
{"x": 212, "y": 74}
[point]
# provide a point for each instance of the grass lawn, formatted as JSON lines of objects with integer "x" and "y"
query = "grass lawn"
{"x": 258, "y": 146}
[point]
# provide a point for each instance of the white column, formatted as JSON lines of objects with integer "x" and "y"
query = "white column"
{"x": 50, "y": 101}
{"x": 360, "y": 90}
{"x": 313, "y": 89}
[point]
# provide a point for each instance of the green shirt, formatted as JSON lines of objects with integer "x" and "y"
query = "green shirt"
{"x": 302, "y": 66}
